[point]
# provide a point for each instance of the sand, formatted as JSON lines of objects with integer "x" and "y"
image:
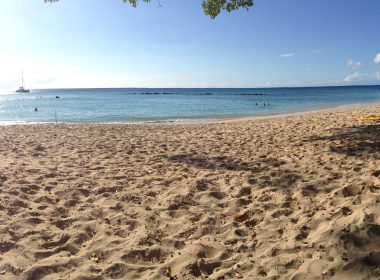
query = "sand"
{"x": 286, "y": 197}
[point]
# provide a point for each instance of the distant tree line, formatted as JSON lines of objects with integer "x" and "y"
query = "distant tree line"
{"x": 211, "y": 8}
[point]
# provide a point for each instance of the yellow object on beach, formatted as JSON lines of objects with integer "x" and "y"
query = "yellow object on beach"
{"x": 369, "y": 118}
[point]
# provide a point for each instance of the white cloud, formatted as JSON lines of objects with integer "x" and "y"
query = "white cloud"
{"x": 357, "y": 76}
{"x": 376, "y": 60}
{"x": 287, "y": 54}
{"x": 351, "y": 77}
{"x": 353, "y": 64}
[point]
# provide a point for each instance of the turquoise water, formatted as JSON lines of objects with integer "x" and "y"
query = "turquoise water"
{"x": 142, "y": 105}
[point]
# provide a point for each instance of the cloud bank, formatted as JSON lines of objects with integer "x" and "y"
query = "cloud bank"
{"x": 376, "y": 60}
{"x": 353, "y": 77}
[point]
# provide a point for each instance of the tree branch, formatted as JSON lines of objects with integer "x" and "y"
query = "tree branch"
{"x": 211, "y": 8}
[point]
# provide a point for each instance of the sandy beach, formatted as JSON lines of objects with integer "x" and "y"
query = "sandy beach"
{"x": 289, "y": 197}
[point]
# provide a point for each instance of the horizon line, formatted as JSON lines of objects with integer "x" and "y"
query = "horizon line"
{"x": 278, "y": 87}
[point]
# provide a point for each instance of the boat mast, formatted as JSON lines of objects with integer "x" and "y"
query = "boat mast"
{"x": 22, "y": 78}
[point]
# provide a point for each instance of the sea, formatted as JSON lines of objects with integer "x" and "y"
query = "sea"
{"x": 140, "y": 105}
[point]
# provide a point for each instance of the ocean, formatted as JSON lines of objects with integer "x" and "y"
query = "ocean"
{"x": 135, "y": 105}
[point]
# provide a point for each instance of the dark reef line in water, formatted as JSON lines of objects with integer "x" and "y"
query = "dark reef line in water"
{"x": 204, "y": 93}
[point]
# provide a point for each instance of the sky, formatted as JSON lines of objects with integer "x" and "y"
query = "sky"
{"x": 98, "y": 43}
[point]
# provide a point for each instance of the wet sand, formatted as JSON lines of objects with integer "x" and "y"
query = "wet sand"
{"x": 290, "y": 197}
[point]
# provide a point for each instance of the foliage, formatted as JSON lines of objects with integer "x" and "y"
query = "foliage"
{"x": 211, "y": 8}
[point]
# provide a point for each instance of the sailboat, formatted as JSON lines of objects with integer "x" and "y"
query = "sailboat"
{"x": 22, "y": 89}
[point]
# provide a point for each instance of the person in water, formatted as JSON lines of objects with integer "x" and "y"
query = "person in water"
{"x": 35, "y": 109}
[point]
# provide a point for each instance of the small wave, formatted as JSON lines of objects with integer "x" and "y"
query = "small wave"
{"x": 6, "y": 123}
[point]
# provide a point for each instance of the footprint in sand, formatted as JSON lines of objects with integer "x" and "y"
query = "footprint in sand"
{"x": 6, "y": 246}
{"x": 201, "y": 267}
{"x": 116, "y": 271}
{"x": 146, "y": 256}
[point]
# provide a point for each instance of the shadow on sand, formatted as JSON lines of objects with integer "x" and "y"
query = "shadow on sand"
{"x": 362, "y": 246}
{"x": 265, "y": 172}
{"x": 362, "y": 141}
{"x": 225, "y": 162}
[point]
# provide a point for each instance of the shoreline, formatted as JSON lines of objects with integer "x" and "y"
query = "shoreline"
{"x": 192, "y": 121}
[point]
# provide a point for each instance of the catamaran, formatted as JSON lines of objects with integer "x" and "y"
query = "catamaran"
{"x": 22, "y": 89}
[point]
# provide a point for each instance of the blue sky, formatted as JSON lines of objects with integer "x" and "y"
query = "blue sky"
{"x": 97, "y": 43}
